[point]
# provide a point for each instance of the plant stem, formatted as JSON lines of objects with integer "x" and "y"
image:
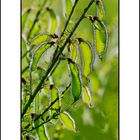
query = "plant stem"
{"x": 52, "y": 103}
{"x": 49, "y": 119}
{"x": 55, "y": 60}
{"x": 26, "y": 68}
{"x": 67, "y": 22}
{"x": 30, "y": 78}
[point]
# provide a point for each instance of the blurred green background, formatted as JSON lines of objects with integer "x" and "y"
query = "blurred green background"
{"x": 100, "y": 122}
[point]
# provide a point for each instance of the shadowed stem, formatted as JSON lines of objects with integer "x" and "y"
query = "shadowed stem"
{"x": 52, "y": 103}
{"x": 55, "y": 60}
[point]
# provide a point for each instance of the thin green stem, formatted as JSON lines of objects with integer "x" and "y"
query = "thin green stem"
{"x": 55, "y": 60}
{"x": 67, "y": 22}
{"x": 26, "y": 68}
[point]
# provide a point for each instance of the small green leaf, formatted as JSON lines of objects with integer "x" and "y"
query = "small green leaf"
{"x": 68, "y": 121}
{"x": 52, "y": 21}
{"x": 75, "y": 81}
{"x": 24, "y": 17}
{"x": 87, "y": 57}
{"x": 38, "y": 53}
{"x": 43, "y": 37}
{"x": 101, "y": 38}
{"x": 68, "y": 6}
{"x": 100, "y": 10}
{"x": 86, "y": 96}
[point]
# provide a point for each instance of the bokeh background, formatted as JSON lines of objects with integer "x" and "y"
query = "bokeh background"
{"x": 100, "y": 122}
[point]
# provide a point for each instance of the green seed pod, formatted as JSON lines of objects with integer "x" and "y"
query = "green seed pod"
{"x": 53, "y": 21}
{"x": 24, "y": 17}
{"x": 75, "y": 81}
{"x": 38, "y": 53}
{"x": 100, "y": 35}
{"x": 68, "y": 121}
{"x": 73, "y": 52}
{"x": 86, "y": 96}
{"x": 100, "y": 10}
{"x": 87, "y": 57}
{"x": 101, "y": 38}
{"x": 43, "y": 37}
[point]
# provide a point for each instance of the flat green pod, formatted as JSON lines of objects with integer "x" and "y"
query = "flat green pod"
{"x": 75, "y": 80}
{"x": 101, "y": 38}
{"x": 52, "y": 21}
{"x": 68, "y": 121}
{"x": 86, "y": 96}
{"x": 100, "y": 9}
{"x": 43, "y": 37}
{"x": 87, "y": 57}
{"x": 38, "y": 53}
{"x": 73, "y": 52}
{"x": 24, "y": 17}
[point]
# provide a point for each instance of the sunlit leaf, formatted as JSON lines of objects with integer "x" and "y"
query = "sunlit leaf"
{"x": 86, "y": 96}
{"x": 52, "y": 21}
{"x": 75, "y": 81}
{"x": 43, "y": 37}
{"x": 68, "y": 7}
{"x": 24, "y": 17}
{"x": 101, "y": 38}
{"x": 87, "y": 57}
{"x": 68, "y": 121}
{"x": 100, "y": 9}
{"x": 38, "y": 53}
